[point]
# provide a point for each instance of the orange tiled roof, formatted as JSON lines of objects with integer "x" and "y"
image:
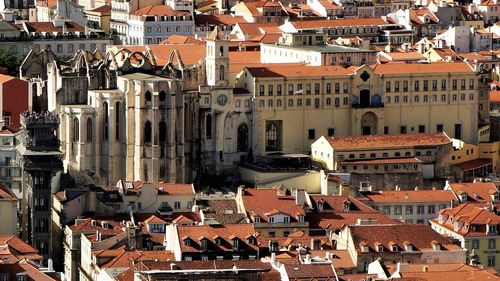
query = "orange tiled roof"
{"x": 27, "y": 267}
{"x": 154, "y": 220}
{"x": 279, "y": 70}
{"x": 385, "y": 141}
{"x": 411, "y": 196}
{"x": 472, "y": 218}
{"x": 202, "y": 20}
{"x": 159, "y": 10}
{"x": 308, "y": 24}
{"x": 6, "y": 194}
{"x": 473, "y": 164}
{"x": 420, "y": 236}
{"x": 476, "y": 192}
{"x": 104, "y": 9}
{"x": 495, "y": 96}
{"x": 130, "y": 258}
{"x": 49, "y": 27}
{"x": 216, "y": 34}
{"x": 266, "y": 202}
{"x": 407, "y": 68}
{"x": 225, "y": 232}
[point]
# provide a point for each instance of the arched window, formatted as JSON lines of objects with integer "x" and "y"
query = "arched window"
{"x": 273, "y": 136}
{"x": 208, "y": 126}
{"x": 147, "y": 133}
{"x": 162, "y": 128}
{"x": 242, "y": 138}
{"x": 106, "y": 120}
{"x": 117, "y": 115}
{"x": 76, "y": 130}
{"x": 148, "y": 96}
{"x": 221, "y": 51}
{"x": 89, "y": 130}
{"x": 222, "y": 73}
{"x": 162, "y": 96}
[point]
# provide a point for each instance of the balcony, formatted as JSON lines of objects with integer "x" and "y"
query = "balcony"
{"x": 36, "y": 119}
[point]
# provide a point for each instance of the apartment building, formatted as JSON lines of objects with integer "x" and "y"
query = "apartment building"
{"x": 275, "y": 212}
{"x": 475, "y": 228}
{"x": 397, "y": 243}
{"x": 410, "y": 206}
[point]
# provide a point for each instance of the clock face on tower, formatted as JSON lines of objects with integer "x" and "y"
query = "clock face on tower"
{"x": 222, "y": 99}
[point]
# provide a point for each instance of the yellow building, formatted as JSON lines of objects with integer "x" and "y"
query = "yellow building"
{"x": 475, "y": 228}
{"x": 8, "y": 209}
{"x": 293, "y": 106}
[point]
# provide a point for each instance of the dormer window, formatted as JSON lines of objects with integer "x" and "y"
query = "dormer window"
{"x": 286, "y": 219}
{"x": 204, "y": 244}
{"x": 380, "y": 248}
{"x": 395, "y": 248}
{"x": 347, "y": 205}
{"x": 251, "y": 240}
{"x": 473, "y": 227}
{"x": 408, "y": 247}
{"x": 271, "y": 219}
{"x": 491, "y": 228}
{"x": 235, "y": 243}
{"x": 257, "y": 219}
{"x": 320, "y": 206}
{"x": 187, "y": 242}
{"x": 436, "y": 246}
{"x": 218, "y": 241}
{"x": 365, "y": 249}
{"x": 463, "y": 197}
{"x": 495, "y": 197}
{"x": 300, "y": 218}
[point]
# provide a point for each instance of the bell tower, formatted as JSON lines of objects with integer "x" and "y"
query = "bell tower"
{"x": 217, "y": 58}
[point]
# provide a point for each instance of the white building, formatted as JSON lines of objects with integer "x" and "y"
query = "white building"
{"x": 411, "y": 206}
{"x": 153, "y": 24}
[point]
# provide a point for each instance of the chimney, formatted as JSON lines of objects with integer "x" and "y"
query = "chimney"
{"x": 308, "y": 259}
{"x": 273, "y": 257}
{"x": 50, "y": 265}
{"x": 300, "y": 197}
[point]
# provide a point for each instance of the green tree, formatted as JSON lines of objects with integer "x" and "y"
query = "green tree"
{"x": 10, "y": 61}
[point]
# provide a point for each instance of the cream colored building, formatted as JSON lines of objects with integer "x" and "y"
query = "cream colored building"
{"x": 293, "y": 106}
{"x": 158, "y": 197}
{"x": 8, "y": 211}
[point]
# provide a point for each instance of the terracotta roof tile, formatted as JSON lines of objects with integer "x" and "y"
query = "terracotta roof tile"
{"x": 308, "y": 24}
{"x": 437, "y": 67}
{"x": 159, "y": 10}
{"x": 266, "y": 202}
{"x": 49, "y": 27}
{"x": 279, "y": 70}
{"x": 383, "y": 141}
{"x": 420, "y": 237}
{"x": 6, "y": 194}
{"x": 241, "y": 231}
{"x": 413, "y": 196}
{"x": 473, "y": 164}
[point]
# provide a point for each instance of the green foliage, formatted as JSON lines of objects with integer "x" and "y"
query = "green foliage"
{"x": 10, "y": 61}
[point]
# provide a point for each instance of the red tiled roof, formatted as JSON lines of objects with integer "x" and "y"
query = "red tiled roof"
{"x": 104, "y": 9}
{"x": 49, "y": 27}
{"x": 419, "y": 236}
{"x": 476, "y": 192}
{"x": 129, "y": 258}
{"x": 266, "y": 202}
{"x": 253, "y": 29}
{"x": 308, "y": 24}
{"x": 18, "y": 248}
{"x": 27, "y": 267}
{"x": 473, "y": 164}
{"x": 495, "y": 96}
{"x": 407, "y": 68}
{"x": 6, "y": 194}
{"x": 216, "y": 34}
{"x": 469, "y": 215}
{"x": 224, "y": 20}
{"x": 385, "y": 141}
{"x": 413, "y": 196}
{"x": 279, "y": 70}
{"x": 159, "y": 10}
{"x": 154, "y": 220}
{"x": 225, "y": 232}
